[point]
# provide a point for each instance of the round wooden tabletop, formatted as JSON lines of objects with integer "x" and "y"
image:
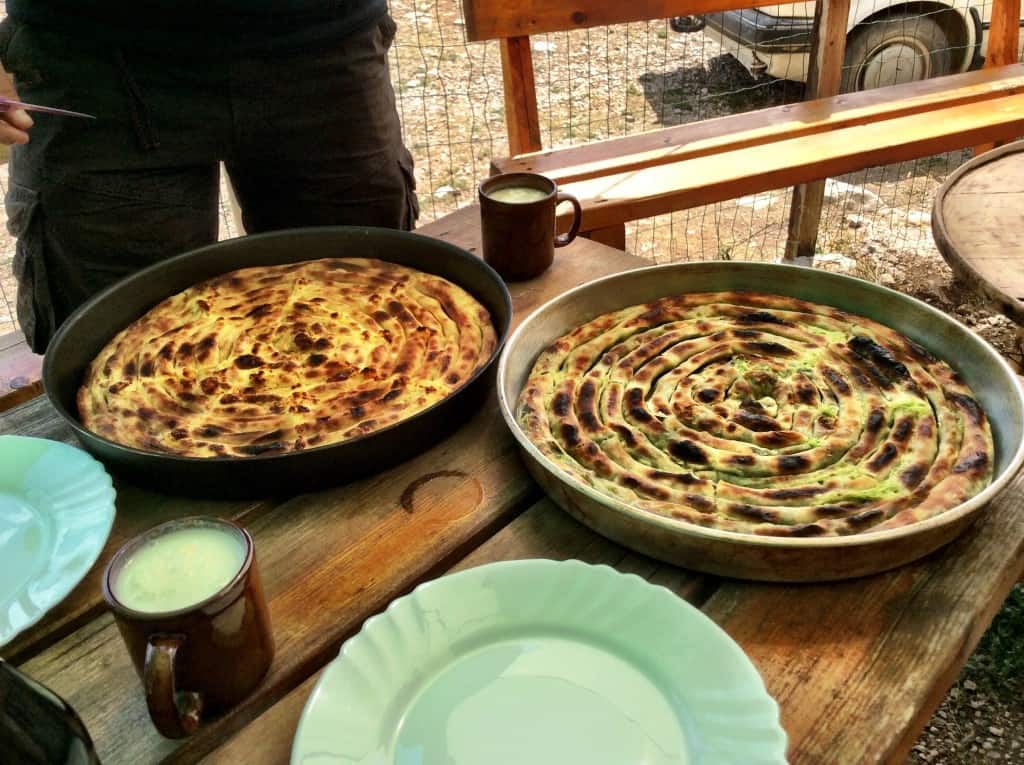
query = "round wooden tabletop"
{"x": 978, "y": 222}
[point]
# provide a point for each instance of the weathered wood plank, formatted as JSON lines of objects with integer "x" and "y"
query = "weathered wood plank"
{"x": 776, "y": 123}
{"x": 521, "y": 116}
{"x": 494, "y": 19}
{"x": 1003, "y": 44}
{"x": 824, "y": 78}
{"x": 858, "y": 667}
{"x": 541, "y": 532}
{"x": 332, "y": 558}
{"x": 617, "y": 198}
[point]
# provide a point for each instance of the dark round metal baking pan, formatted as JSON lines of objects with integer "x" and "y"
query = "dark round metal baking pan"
{"x": 89, "y": 329}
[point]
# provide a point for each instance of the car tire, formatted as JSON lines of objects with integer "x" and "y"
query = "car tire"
{"x": 898, "y": 48}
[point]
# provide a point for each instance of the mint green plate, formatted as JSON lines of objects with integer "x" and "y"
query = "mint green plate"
{"x": 56, "y": 510}
{"x": 539, "y": 662}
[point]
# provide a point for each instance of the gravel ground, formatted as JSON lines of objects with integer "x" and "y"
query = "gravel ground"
{"x": 602, "y": 83}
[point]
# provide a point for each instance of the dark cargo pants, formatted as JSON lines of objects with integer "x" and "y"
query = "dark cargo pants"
{"x": 308, "y": 138}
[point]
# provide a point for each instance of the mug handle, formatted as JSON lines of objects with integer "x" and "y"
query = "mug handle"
{"x": 577, "y": 218}
{"x": 175, "y": 713}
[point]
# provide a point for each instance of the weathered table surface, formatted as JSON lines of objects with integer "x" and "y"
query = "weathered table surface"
{"x": 857, "y": 667}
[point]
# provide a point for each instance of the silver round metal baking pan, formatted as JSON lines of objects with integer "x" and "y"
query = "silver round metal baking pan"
{"x": 746, "y": 555}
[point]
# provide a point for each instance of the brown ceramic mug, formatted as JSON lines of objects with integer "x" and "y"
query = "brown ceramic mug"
{"x": 199, "y": 658}
{"x": 519, "y": 236}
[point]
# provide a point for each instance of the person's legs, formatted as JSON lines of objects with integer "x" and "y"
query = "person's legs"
{"x": 92, "y": 201}
{"x": 318, "y": 139}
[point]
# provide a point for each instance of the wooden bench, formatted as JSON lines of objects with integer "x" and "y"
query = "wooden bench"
{"x": 661, "y": 171}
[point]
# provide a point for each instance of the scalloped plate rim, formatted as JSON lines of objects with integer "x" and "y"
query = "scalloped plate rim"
{"x": 776, "y": 740}
{"x": 70, "y": 579}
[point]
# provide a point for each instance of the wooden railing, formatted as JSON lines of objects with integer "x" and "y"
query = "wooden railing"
{"x": 513, "y": 23}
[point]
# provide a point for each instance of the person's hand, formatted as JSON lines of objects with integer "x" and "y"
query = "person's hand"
{"x": 14, "y": 125}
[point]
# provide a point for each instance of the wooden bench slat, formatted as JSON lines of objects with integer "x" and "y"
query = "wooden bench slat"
{"x": 495, "y": 19}
{"x": 656, "y": 190}
{"x": 683, "y": 142}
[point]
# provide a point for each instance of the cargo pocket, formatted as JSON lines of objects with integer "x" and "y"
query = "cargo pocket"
{"x": 36, "y": 313}
{"x": 412, "y": 203}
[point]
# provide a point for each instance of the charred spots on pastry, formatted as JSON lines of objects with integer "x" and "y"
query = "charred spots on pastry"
{"x": 919, "y": 352}
{"x": 707, "y": 395}
{"x": 970, "y": 407}
{"x": 747, "y": 334}
{"x": 913, "y": 474}
{"x": 762, "y": 317}
{"x": 881, "y": 358}
{"x": 263, "y": 309}
{"x": 792, "y": 463}
{"x": 836, "y": 380}
{"x": 883, "y": 458}
{"x": 561, "y": 404}
{"x": 976, "y": 462}
{"x": 754, "y": 513}
{"x": 902, "y": 429}
{"x": 248, "y": 361}
{"x": 635, "y": 405}
{"x": 805, "y": 530}
{"x": 743, "y": 460}
{"x": 831, "y": 511}
{"x": 865, "y": 518}
{"x": 683, "y": 479}
{"x": 800, "y": 492}
{"x": 179, "y": 433}
{"x": 776, "y": 439}
{"x": 876, "y": 418}
{"x": 806, "y": 393}
{"x": 698, "y": 502}
{"x": 688, "y": 451}
{"x": 118, "y": 386}
{"x": 391, "y": 395}
{"x": 205, "y": 347}
{"x": 209, "y": 431}
{"x": 452, "y": 378}
{"x": 756, "y": 422}
{"x": 209, "y": 385}
{"x": 315, "y": 359}
{"x": 570, "y": 434}
{"x": 587, "y": 396}
{"x": 146, "y": 369}
{"x": 626, "y": 434}
{"x": 256, "y": 449}
{"x": 303, "y": 341}
{"x": 767, "y": 348}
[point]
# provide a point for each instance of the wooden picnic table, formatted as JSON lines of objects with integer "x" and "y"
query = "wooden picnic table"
{"x": 857, "y": 667}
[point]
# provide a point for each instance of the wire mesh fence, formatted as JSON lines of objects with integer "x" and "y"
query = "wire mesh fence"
{"x": 613, "y": 81}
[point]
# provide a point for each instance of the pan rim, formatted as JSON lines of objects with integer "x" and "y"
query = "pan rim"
{"x": 676, "y": 526}
{"x": 82, "y": 432}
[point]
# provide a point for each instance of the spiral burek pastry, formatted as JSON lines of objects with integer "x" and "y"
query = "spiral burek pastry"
{"x": 758, "y": 413}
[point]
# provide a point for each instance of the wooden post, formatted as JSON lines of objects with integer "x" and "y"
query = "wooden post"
{"x": 824, "y": 78}
{"x": 1003, "y": 43}
{"x": 520, "y": 96}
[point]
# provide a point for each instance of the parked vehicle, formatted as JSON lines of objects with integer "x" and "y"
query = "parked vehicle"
{"x": 887, "y": 42}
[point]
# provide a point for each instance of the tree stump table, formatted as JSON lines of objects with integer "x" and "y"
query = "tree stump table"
{"x": 978, "y": 222}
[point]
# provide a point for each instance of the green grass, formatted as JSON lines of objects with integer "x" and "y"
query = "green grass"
{"x": 998, "y": 662}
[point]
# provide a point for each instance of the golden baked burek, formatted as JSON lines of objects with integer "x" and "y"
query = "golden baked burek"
{"x": 283, "y": 358}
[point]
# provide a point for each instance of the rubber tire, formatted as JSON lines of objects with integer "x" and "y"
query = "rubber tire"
{"x": 866, "y": 38}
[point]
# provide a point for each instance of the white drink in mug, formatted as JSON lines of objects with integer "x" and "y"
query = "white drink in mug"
{"x": 517, "y": 194}
{"x": 178, "y": 569}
